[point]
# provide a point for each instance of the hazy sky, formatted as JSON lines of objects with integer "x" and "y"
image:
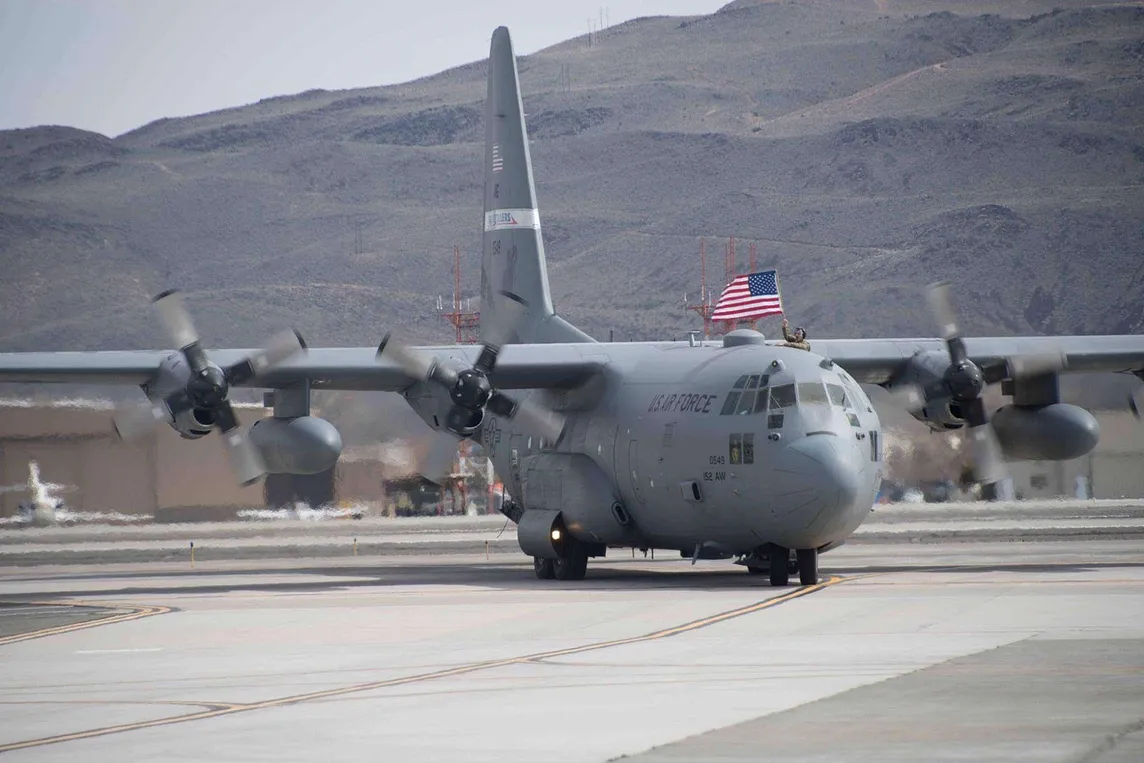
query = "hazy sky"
{"x": 113, "y": 65}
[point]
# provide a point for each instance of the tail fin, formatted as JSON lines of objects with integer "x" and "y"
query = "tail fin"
{"x": 513, "y": 250}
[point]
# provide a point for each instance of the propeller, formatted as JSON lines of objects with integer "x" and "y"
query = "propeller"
{"x": 469, "y": 388}
{"x": 208, "y": 386}
{"x": 963, "y": 382}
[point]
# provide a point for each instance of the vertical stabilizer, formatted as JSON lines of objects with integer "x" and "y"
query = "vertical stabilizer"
{"x": 513, "y": 250}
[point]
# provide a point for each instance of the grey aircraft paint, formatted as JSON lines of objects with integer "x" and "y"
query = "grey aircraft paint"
{"x": 712, "y": 448}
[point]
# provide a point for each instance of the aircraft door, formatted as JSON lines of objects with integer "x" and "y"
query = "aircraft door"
{"x": 634, "y": 468}
{"x": 514, "y": 457}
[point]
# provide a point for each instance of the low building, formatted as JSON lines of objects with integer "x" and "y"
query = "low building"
{"x": 75, "y": 444}
{"x": 1114, "y": 469}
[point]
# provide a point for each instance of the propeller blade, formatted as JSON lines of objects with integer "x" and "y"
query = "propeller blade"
{"x": 175, "y": 318}
{"x": 909, "y": 397}
{"x": 506, "y": 316}
{"x": 540, "y": 419}
{"x": 244, "y": 457}
{"x": 414, "y": 364}
{"x": 225, "y": 418}
{"x": 985, "y": 451}
{"x": 281, "y": 347}
{"x": 437, "y": 464}
{"x": 940, "y": 301}
{"x": 138, "y": 421}
{"x": 988, "y": 464}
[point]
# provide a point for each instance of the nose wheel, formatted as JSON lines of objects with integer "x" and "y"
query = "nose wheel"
{"x": 780, "y": 565}
{"x": 807, "y": 565}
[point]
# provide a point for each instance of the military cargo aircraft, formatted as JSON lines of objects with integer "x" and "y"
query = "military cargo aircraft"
{"x": 732, "y": 448}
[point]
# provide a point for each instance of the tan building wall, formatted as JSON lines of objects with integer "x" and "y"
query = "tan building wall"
{"x": 1115, "y": 468}
{"x": 77, "y": 446}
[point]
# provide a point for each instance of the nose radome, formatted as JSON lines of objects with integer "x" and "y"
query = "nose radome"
{"x": 835, "y": 477}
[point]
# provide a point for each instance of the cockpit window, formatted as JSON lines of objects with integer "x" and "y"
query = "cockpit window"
{"x": 753, "y": 381}
{"x": 811, "y": 393}
{"x": 761, "y": 401}
{"x": 746, "y": 403}
{"x": 837, "y": 395}
{"x": 741, "y": 382}
{"x": 782, "y": 396}
{"x": 730, "y": 403}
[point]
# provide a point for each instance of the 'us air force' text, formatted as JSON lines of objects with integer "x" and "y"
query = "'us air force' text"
{"x": 685, "y": 403}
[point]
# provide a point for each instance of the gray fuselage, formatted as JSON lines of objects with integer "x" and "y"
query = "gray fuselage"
{"x": 727, "y": 448}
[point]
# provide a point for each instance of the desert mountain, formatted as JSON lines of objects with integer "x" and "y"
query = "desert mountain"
{"x": 866, "y": 148}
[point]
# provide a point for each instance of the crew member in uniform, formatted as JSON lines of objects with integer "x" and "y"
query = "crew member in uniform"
{"x": 797, "y": 339}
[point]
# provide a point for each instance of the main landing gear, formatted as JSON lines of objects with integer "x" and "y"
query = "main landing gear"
{"x": 779, "y": 565}
{"x": 572, "y": 564}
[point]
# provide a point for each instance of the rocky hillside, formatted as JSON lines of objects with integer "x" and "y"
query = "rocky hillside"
{"x": 866, "y": 148}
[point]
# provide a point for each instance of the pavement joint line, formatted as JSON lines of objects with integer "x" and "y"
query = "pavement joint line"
{"x": 135, "y": 612}
{"x": 225, "y": 708}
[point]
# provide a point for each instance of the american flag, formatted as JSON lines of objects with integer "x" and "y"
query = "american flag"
{"x": 749, "y": 296}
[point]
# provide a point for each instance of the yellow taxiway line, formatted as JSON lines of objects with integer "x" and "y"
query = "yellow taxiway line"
{"x": 132, "y": 613}
{"x": 223, "y": 708}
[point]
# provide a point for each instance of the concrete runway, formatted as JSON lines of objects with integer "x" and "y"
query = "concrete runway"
{"x": 292, "y": 539}
{"x": 932, "y": 651}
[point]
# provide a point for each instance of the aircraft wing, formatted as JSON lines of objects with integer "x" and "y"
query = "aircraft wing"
{"x": 354, "y": 368}
{"x": 878, "y": 361}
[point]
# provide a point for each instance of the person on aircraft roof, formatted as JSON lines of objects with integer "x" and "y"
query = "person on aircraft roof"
{"x": 796, "y": 339}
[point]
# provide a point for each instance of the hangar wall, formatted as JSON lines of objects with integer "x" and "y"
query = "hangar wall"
{"x": 76, "y": 445}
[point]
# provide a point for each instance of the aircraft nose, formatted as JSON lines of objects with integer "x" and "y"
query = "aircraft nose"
{"x": 836, "y": 478}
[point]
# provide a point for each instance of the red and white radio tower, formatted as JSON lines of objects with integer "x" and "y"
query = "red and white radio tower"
{"x": 466, "y": 322}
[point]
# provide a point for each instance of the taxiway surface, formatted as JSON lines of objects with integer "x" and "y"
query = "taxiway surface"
{"x": 975, "y": 651}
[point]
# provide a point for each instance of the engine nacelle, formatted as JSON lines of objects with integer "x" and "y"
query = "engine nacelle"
{"x": 192, "y": 424}
{"x": 925, "y": 369}
{"x": 940, "y": 415}
{"x": 573, "y": 485}
{"x": 539, "y": 533}
{"x": 303, "y": 445}
{"x": 1056, "y": 432}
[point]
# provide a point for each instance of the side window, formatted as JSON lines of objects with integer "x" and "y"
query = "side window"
{"x": 775, "y": 421}
{"x": 736, "y": 448}
{"x": 782, "y": 396}
{"x": 730, "y": 403}
{"x": 854, "y": 422}
{"x": 749, "y": 448}
{"x": 837, "y": 395}
{"x": 852, "y": 386}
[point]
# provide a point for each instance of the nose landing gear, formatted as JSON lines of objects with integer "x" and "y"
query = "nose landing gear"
{"x": 776, "y": 561}
{"x": 807, "y": 565}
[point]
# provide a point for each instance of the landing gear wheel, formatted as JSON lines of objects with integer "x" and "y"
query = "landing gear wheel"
{"x": 807, "y": 565}
{"x": 573, "y": 563}
{"x": 779, "y": 569}
{"x": 543, "y": 568}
